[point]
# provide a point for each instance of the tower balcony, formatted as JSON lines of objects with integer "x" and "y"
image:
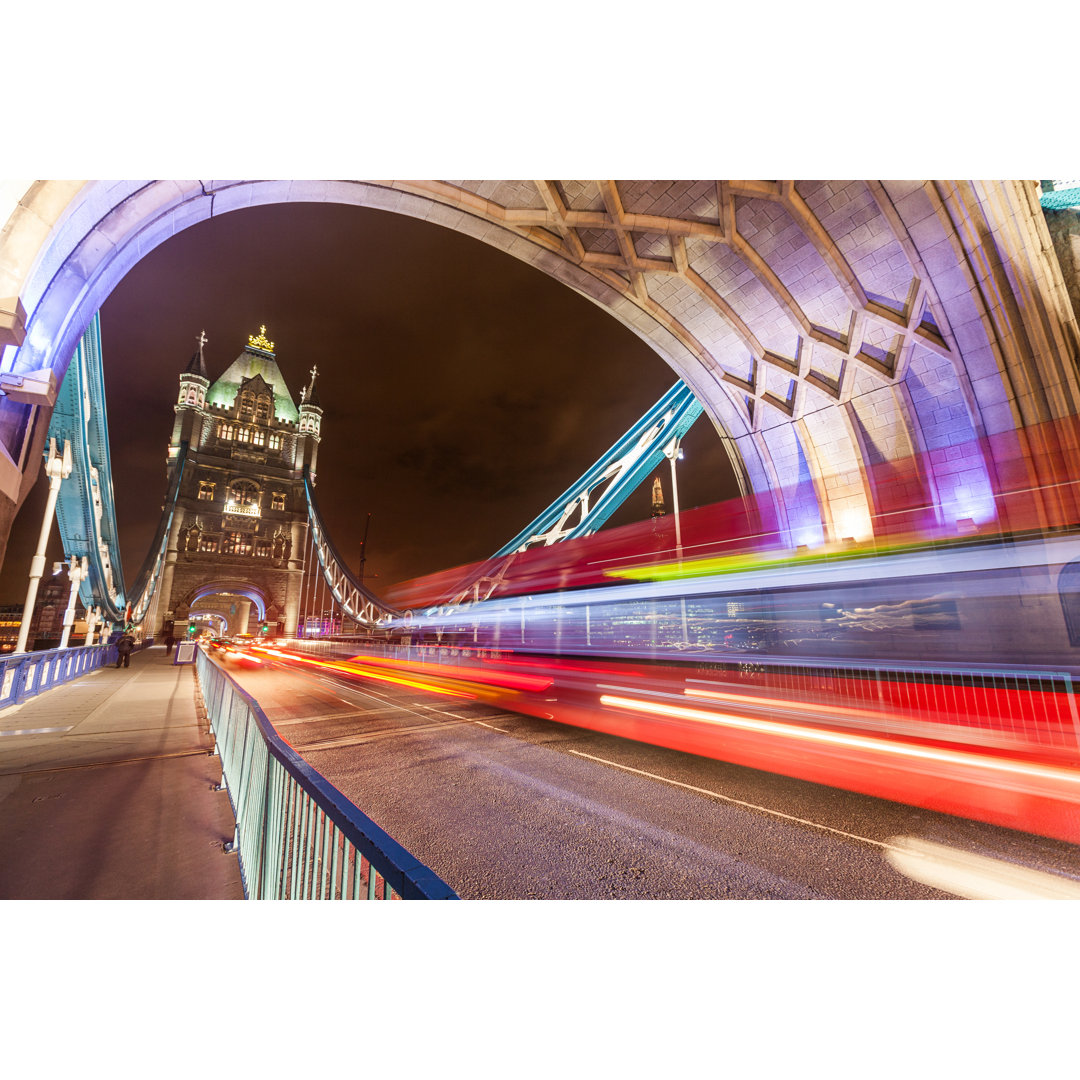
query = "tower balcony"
{"x": 243, "y": 509}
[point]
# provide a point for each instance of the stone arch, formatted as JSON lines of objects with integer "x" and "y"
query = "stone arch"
{"x": 256, "y": 595}
{"x": 833, "y": 330}
{"x": 1069, "y": 594}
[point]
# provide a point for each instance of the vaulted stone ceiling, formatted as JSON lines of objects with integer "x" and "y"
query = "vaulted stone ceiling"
{"x": 828, "y": 327}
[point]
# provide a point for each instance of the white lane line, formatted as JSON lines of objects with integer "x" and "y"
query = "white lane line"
{"x": 36, "y": 730}
{"x": 739, "y": 802}
{"x": 470, "y": 720}
{"x": 411, "y": 709}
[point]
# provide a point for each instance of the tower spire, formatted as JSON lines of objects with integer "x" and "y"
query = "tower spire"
{"x": 197, "y": 363}
{"x": 308, "y": 395}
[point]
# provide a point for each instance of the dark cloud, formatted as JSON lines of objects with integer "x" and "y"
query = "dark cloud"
{"x": 463, "y": 390}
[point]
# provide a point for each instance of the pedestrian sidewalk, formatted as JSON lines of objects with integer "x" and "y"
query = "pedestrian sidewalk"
{"x": 107, "y": 791}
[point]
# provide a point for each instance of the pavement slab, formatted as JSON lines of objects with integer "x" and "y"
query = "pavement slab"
{"x": 107, "y": 791}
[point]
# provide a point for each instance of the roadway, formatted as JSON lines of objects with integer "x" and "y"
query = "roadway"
{"x": 507, "y": 806}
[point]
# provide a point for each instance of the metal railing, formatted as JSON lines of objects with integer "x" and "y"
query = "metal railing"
{"x": 23, "y": 675}
{"x": 297, "y": 836}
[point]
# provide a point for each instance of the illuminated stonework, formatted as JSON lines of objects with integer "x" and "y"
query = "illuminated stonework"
{"x": 241, "y": 513}
{"x": 829, "y": 328}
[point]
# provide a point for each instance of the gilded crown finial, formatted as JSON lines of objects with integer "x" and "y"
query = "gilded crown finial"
{"x": 260, "y": 342}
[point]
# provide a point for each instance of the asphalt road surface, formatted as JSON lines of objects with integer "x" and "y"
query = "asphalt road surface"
{"x": 504, "y": 806}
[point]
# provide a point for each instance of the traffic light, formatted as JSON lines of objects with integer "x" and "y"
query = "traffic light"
{"x": 191, "y": 629}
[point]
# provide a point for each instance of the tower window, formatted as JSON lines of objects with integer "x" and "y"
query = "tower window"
{"x": 209, "y": 543}
{"x": 206, "y": 490}
{"x": 277, "y": 502}
{"x": 247, "y": 406}
{"x": 274, "y": 441}
{"x": 236, "y": 543}
{"x": 258, "y": 436}
{"x": 262, "y": 549}
{"x": 262, "y": 410}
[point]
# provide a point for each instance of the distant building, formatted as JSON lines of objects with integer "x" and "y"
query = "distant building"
{"x": 657, "y": 498}
{"x": 47, "y": 623}
{"x": 240, "y": 529}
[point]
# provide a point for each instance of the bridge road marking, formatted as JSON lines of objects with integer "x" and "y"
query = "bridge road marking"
{"x": 739, "y": 802}
{"x": 395, "y": 707}
{"x": 35, "y": 730}
{"x": 415, "y": 705}
{"x": 951, "y": 870}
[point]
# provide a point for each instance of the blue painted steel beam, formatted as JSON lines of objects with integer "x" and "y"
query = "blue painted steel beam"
{"x": 1061, "y": 197}
{"x": 85, "y": 509}
{"x": 621, "y": 469}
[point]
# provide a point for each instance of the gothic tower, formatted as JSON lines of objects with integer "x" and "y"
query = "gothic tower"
{"x": 240, "y": 529}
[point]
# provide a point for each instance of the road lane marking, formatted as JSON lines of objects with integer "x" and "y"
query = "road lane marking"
{"x": 412, "y": 709}
{"x": 36, "y": 730}
{"x": 371, "y": 736}
{"x": 737, "y": 802}
{"x": 470, "y": 720}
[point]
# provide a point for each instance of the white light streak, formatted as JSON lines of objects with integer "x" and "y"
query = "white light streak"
{"x": 858, "y": 742}
{"x": 976, "y": 877}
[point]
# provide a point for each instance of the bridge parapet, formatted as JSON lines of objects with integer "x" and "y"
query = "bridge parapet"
{"x": 296, "y": 835}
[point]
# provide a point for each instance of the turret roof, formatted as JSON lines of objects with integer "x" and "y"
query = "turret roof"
{"x": 251, "y": 362}
{"x": 197, "y": 365}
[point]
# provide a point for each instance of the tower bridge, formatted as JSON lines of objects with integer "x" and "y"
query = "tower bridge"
{"x": 824, "y": 327}
{"x": 881, "y": 359}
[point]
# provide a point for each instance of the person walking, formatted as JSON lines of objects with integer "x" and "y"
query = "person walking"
{"x": 170, "y": 641}
{"x": 123, "y": 648}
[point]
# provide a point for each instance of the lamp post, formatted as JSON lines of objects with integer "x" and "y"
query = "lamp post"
{"x": 673, "y": 452}
{"x": 57, "y": 468}
{"x": 78, "y": 571}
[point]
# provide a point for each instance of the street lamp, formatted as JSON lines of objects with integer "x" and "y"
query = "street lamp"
{"x": 57, "y": 468}
{"x": 673, "y": 452}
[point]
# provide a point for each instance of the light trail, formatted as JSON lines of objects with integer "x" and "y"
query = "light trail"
{"x": 858, "y": 742}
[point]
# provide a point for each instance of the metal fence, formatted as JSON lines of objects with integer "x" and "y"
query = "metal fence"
{"x": 297, "y": 836}
{"x": 23, "y": 675}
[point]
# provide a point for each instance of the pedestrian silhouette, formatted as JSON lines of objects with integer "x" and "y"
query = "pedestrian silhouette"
{"x": 123, "y": 649}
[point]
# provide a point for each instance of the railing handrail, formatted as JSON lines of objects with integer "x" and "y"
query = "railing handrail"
{"x": 405, "y": 874}
{"x": 65, "y": 665}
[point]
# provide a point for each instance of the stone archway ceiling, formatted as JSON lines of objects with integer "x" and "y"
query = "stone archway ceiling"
{"x": 785, "y": 290}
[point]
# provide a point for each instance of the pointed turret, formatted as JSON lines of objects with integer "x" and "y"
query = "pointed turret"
{"x": 191, "y": 403}
{"x": 197, "y": 364}
{"x": 307, "y": 446}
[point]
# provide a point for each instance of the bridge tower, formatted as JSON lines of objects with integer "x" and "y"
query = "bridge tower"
{"x": 240, "y": 529}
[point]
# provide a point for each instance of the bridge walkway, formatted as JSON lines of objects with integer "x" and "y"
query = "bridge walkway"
{"x": 106, "y": 791}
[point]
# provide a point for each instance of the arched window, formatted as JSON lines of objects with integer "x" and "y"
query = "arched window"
{"x": 247, "y": 405}
{"x": 262, "y": 410}
{"x": 243, "y": 493}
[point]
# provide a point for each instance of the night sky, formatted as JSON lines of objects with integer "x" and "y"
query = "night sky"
{"x": 462, "y": 389}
